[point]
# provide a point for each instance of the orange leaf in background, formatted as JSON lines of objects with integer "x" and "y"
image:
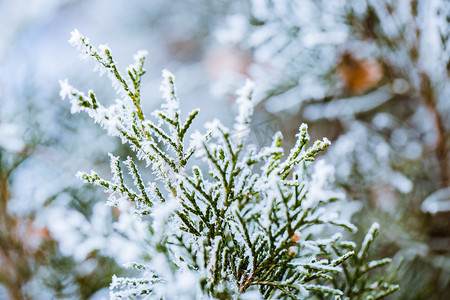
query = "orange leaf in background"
{"x": 115, "y": 212}
{"x": 358, "y": 75}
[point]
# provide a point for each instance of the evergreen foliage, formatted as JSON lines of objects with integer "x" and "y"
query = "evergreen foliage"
{"x": 253, "y": 222}
{"x": 20, "y": 258}
{"x": 32, "y": 263}
{"x": 373, "y": 76}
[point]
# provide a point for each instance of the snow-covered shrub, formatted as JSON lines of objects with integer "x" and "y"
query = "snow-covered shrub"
{"x": 39, "y": 242}
{"x": 251, "y": 224}
{"x": 373, "y": 76}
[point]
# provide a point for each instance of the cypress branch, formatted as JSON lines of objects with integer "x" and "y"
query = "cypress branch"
{"x": 245, "y": 226}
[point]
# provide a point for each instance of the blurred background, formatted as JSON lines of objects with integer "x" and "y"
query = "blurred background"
{"x": 372, "y": 76}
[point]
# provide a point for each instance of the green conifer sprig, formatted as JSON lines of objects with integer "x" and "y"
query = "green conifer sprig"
{"x": 250, "y": 222}
{"x": 356, "y": 283}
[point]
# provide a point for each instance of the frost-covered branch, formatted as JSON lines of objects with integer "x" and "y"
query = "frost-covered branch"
{"x": 253, "y": 220}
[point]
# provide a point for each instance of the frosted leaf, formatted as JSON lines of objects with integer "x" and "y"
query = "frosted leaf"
{"x": 140, "y": 55}
{"x": 438, "y": 201}
{"x": 100, "y": 69}
{"x": 323, "y": 173}
{"x": 138, "y": 59}
{"x": 214, "y": 249}
{"x": 76, "y": 39}
{"x": 162, "y": 211}
{"x": 318, "y": 266}
{"x": 171, "y": 106}
{"x": 214, "y": 127}
{"x": 401, "y": 182}
{"x": 196, "y": 141}
{"x": 318, "y": 188}
{"x": 80, "y": 175}
{"x": 245, "y": 106}
{"x": 104, "y": 47}
{"x": 114, "y": 162}
{"x": 368, "y": 239}
{"x": 66, "y": 88}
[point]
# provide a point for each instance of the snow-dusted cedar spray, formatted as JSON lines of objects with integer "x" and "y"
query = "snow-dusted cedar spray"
{"x": 252, "y": 225}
